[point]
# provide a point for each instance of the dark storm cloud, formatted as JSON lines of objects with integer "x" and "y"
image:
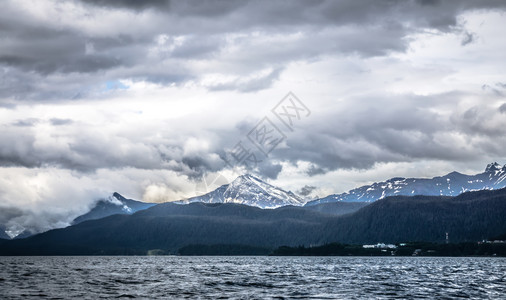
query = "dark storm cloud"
{"x": 17, "y": 149}
{"x": 130, "y": 4}
{"x": 314, "y": 170}
{"x": 33, "y": 52}
{"x": 205, "y": 8}
{"x": 468, "y": 39}
{"x": 91, "y": 149}
{"x": 197, "y": 166}
{"x": 502, "y": 108}
{"x": 363, "y": 132}
{"x": 251, "y": 41}
{"x": 269, "y": 169}
{"x": 34, "y": 121}
{"x": 199, "y": 8}
{"x": 8, "y": 213}
{"x": 26, "y": 122}
{"x": 431, "y": 13}
{"x": 306, "y": 190}
{"x": 44, "y": 49}
{"x": 358, "y": 134}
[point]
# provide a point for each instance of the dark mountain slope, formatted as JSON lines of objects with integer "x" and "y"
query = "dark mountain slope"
{"x": 469, "y": 217}
{"x": 170, "y": 226}
{"x": 337, "y": 208}
{"x": 4, "y": 235}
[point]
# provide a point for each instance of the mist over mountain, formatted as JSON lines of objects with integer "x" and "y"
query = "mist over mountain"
{"x": 115, "y": 204}
{"x": 451, "y": 184}
{"x": 472, "y": 216}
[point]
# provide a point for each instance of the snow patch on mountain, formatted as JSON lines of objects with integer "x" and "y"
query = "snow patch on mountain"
{"x": 114, "y": 204}
{"x": 451, "y": 184}
{"x": 249, "y": 190}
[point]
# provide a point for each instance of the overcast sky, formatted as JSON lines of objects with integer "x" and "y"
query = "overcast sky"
{"x": 147, "y": 97}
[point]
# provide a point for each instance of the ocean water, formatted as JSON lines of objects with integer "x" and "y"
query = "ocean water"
{"x": 252, "y": 277}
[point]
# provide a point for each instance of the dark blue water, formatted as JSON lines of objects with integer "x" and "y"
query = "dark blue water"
{"x": 252, "y": 277}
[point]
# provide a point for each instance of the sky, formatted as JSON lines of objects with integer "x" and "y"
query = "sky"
{"x": 156, "y": 99}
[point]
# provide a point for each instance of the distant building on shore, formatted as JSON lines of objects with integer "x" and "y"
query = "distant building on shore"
{"x": 380, "y": 246}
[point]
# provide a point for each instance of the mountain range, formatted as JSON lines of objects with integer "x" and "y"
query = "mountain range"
{"x": 168, "y": 227}
{"x": 252, "y": 191}
{"x": 451, "y": 184}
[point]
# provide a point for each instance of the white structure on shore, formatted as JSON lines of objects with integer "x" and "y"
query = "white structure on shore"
{"x": 380, "y": 246}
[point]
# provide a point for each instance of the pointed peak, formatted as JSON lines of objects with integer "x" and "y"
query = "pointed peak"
{"x": 118, "y": 196}
{"x": 250, "y": 180}
{"x": 248, "y": 177}
{"x": 492, "y": 167}
{"x": 115, "y": 199}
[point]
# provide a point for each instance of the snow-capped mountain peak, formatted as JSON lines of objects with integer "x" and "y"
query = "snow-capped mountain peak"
{"x": 114, "y": 204}
{"x": 451, "y": 184}
{"x": 494, "y": 167}
{"x": 250, "y": 190}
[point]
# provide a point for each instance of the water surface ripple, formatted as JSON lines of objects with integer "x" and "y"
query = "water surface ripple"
{"x": 252, "y": 277}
